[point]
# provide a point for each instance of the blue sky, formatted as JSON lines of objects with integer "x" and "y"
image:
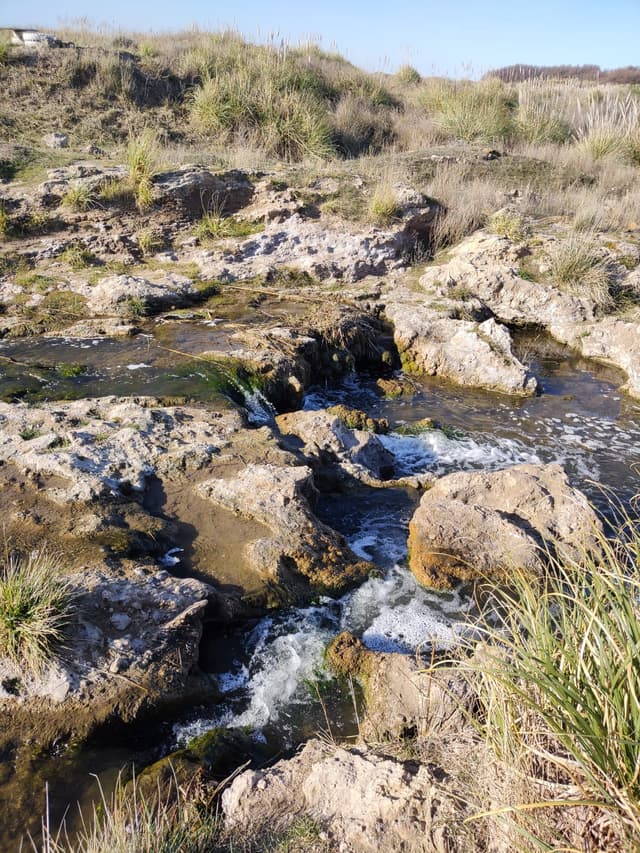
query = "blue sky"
{"x": 437, "y": 36}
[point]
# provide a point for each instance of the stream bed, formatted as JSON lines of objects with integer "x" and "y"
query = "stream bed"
{"x": 270, "y": 672}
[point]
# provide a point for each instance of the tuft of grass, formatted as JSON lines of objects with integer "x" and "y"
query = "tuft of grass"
{"x": 559, "y": 684}
{"x": 510, "y": 224}
{"x": 78, "y": 258}
{"x": 142, "y": 163}
{"x": 214, "y": 225}
{"x": 383, "y": 205}
{"x": 78, "y": 197}
{"x": 118, "y": 191}
{"x": 474, "y": 112}
{"x": 576, "y": 264}
{"x": 408, "y": 75}
{"x": 5, "y": 221}
{"x": 149, "y": 240}
{"x": 36, "y": 604}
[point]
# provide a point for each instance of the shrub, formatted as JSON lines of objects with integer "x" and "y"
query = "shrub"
{"x": 559, "y": 685}
{"x": 408, "y": 75}
{"x": 36, "y": 604}
{"x": 5, "y": 221}
{"x": 149, "y": 240}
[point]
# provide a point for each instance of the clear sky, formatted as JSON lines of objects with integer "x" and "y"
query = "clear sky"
{"x": 441, "y": 36}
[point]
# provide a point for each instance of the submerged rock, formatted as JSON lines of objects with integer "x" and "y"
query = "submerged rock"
{"x": 473, "y": 524}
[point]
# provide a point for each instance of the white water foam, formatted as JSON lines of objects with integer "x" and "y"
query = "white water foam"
{"x": 436, "y": 452}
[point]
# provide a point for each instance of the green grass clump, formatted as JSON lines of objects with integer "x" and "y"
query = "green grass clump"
{"x": 142, "y": 162}
{"x": 474, "y": 112}
{"x": 559, "y": 684}
{"x": 383, "y": 205}
{"x": 214, "y": 225}
{"x": 510, "y": 224}
{"x": 78, "y": 197}
{"x": 149, "y": 240}
{"x": 78, "y": 258}
{"x": 576, "y": 264}
{"x": 5, "y": 221}
{"x": 279, "y": 118}
{"x": 36, "y": 604}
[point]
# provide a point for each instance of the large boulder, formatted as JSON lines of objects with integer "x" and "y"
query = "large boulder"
{"x": 463, "y": 351}
{"x": 474, "y": 524}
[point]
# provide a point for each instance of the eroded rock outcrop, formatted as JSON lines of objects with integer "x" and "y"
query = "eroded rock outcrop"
{"x": 474, "y": 524}
{"x": 303, "y": 553}
{"x": 368, "y": 802}
{"x": 132, "y": 644}
{"x": 465, "y": 351}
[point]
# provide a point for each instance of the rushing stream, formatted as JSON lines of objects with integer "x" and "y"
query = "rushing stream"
{"x": 270, "y": 672}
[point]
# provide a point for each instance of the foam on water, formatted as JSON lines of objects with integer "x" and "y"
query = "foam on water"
{"x": 436, "y": 452}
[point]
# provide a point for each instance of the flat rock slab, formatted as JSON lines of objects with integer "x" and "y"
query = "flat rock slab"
{"x": 475, "y": 524}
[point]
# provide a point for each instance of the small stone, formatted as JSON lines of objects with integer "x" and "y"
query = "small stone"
{"x": 161, "y": 575}
{"x": 120, "y": 664}
{"x": 120, "y": 621}
{"x": 56, "y": 140}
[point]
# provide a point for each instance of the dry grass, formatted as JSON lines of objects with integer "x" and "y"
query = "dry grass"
{"x": 577, "y": 264}
{"x": 36, "y": 604}
{"x": 559, "y": 686}
{"x": 467, "y": 202}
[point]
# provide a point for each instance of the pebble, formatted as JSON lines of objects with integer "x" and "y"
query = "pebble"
{"x": 120, "y": 621}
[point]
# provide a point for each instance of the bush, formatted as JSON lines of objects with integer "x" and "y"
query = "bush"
{"x": 36, "y": 604}
{"x": 559, "y": 684}
{"x": 408, "y": 75}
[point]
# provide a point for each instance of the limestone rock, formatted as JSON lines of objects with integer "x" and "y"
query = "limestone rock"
{"x": 367, "y": 802}
{"x": 466, "y": 352}
{"x": 83, "y": 688}
{"x": 302, "y": 549}
{"x": 473, "y": 524}
{"x": 196, "y": 190}
{"x": 126, "y": 294}
{"x": 359, "y": 452}
{"x": 56, "y": 140}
